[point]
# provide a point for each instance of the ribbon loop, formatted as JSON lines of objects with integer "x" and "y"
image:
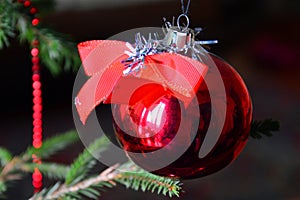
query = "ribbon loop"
{"x": 102, "y": 60}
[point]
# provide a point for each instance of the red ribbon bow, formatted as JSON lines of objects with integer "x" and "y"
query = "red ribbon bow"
{"x": 102, "y": 60}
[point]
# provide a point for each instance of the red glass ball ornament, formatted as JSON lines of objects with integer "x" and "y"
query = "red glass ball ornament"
{"x": 152, "y": 123}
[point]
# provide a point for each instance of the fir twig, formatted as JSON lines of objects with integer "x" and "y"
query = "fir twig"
{"x": 86, "y": 161}
{"x": 3, "y": 188}
{"x": 14, "y": 168}
{"x": 50, "y": 170}
{"x": 134, "y": 178}
{"x": 52, "y": 145}
{"x": 264, "y": 128}
{"x": 5, "y": 156}
{"x": 85, "y": 188}
{"x": 56, "y": 53}
{"x": 138, "y": 179}
{"x": 78, "y": 185}
{"x": 7, "y": 22}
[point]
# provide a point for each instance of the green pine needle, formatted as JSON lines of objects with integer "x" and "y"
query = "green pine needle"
{"x": 50, "y": 170}
{"x": 89, "y": 188}
{"x": 86, "y": 161}
{"x": 5, "y": 156}
{"x": 52, "y": 145}
{"x": 138, "y": 179}
{"x": 7, "y": 23}
{"x": 56, "y": 52}
{"x": 3, "y": 188}
{"x": 264, "y": 128}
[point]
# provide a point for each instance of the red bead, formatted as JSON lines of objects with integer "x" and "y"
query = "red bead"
{"x": 37, "y": 115}
{"x": 37, "y": 144}
{"x": 37, "y": 100}
{"x": 27, "y": 3}
{"x": 37, "y": 108}
{"x": 35, "y": 60}
{"x": 35, "y": 52}
{"x": 35, "y": 77}
{"x": 37, "y": 129}
{"x": 37, "y": 176}
{"x": 36, "y": 160}
{"x": 36, "y": 85}
{"x": 35, "y": 42}
{"x": 33, "y": 10}
{"x": 151, "y": 124}
{"x": 37, "y": 122}
{"x": 38, "y": 183}
{"x": 35, "y": 21}
{"x": 37, "y": 93}
{"x": 37, "y": 137}
{"x": 35, "y": 68}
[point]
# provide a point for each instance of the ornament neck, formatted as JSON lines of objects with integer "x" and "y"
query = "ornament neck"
{"x": 179, "y": 37}
{"x": 179, "y": 40}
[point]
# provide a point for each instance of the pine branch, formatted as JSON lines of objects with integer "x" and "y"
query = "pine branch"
{"x": 14, "y": 168}
{"x": 56, "y": 53}
{"x": 52, "y": 145}
{"x": 50, "y": 170}
{"x": 7, "y": 22}
{"x": 264, "y": 128}
{"x": 86, "y": 161}
{"x": 87, "y": 188}
{"x": 138, "y": 179}
{"x": 77, "y": 185}
{"x": 3, "y": 189}
{"x": 5, "y": 156}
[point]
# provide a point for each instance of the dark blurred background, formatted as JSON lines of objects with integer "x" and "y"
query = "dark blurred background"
{"x": 260, "y": 38}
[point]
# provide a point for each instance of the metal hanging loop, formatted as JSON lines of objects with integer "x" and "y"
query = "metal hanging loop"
{"x": 183, "y": 28}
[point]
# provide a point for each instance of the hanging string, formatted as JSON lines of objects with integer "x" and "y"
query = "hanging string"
{"x": 37, "y": 177}
{"x": 184, "y": 8}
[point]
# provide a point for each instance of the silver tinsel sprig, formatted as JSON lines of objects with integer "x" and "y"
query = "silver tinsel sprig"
{"x": 177, "y": 39}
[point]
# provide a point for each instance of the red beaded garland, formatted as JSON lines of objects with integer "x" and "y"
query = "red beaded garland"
{"x": 37, "y": 123}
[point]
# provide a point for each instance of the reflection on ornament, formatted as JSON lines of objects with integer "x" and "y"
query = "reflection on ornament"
{"x": 152, "y": 123}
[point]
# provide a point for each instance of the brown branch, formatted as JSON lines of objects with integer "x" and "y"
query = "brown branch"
{"x": 13, "y": 166}
{"x": 106, "y": 176}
